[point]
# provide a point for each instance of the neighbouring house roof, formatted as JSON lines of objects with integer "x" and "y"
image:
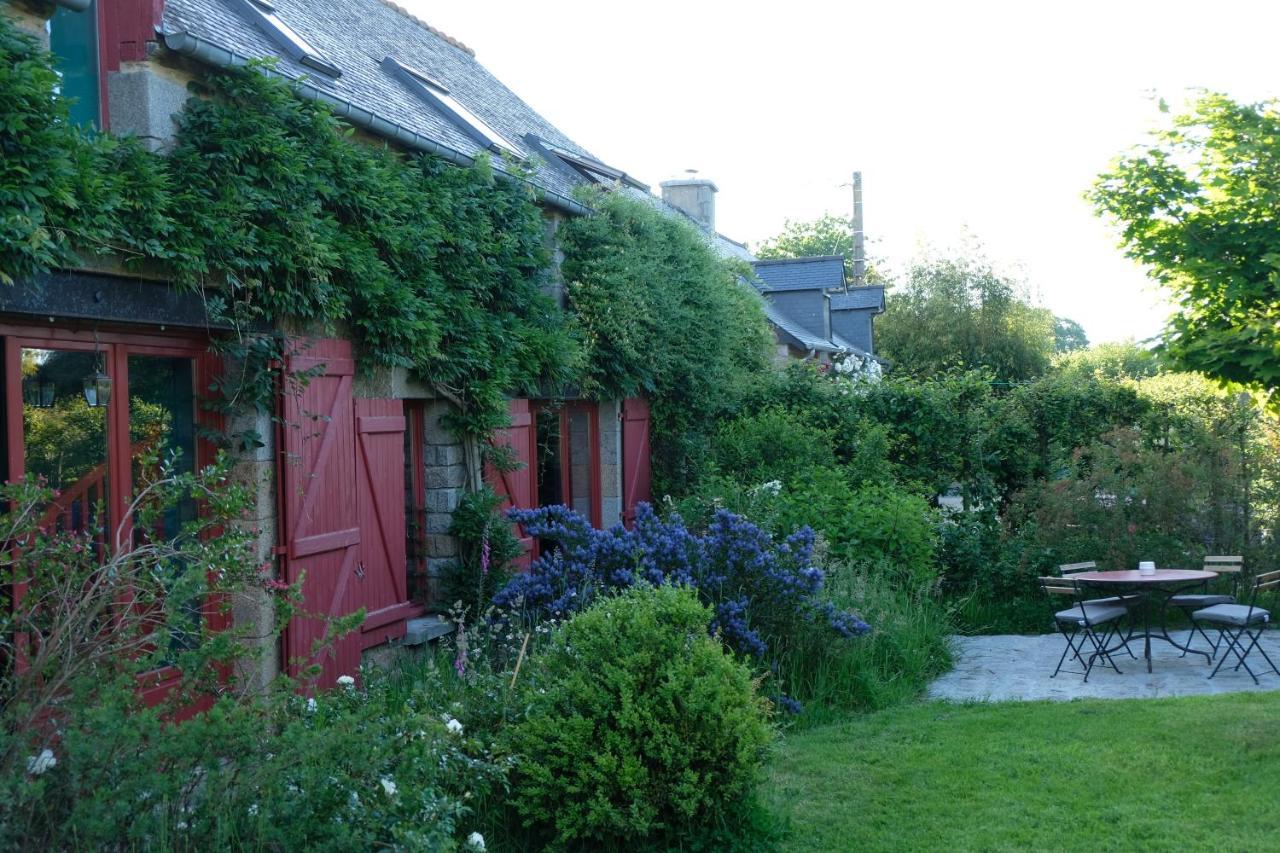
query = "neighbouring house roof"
{"x": 795, "y": 334}
{"x": 859, "y": 299}
{"x": 355, "y": 37}
{"x": 824, "y": 272}
{"x": 853, "y": 348}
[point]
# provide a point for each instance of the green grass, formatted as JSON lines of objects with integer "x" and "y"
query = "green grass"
{"x": 1196, "y": 773}
{"x": 906, "y": 649}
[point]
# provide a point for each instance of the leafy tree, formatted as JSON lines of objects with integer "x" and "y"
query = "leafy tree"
{"x": 960, "y": 312}
{"x": 1068, "y": 335}
{"x": 826, "y": 235}
{"x": 1120, "y": 360}
{"x": 1199, "y": 204}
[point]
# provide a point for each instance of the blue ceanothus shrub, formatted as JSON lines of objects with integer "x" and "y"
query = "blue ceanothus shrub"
{"x": 759, "y": 589}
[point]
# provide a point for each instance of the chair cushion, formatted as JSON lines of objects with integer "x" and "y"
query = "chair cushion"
{"x": 1232, "y": 614}
{"x": 1094, "y": 614}
{"x": 1197, "y": 600}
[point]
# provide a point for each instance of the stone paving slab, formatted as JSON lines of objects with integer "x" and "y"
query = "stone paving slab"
{"x": 1017, "y": 668}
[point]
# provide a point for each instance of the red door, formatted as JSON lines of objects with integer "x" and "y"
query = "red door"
{"x": 382, "y": 580}
{"x": 322, "y": 532}
{"x": 519, "y": 488}
{"x": 635, "y": 457}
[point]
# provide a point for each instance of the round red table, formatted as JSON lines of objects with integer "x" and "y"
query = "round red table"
{"x": 1163, "y": 582}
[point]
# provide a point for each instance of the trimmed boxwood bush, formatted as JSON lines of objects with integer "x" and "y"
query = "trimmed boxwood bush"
{"x": 639, "y": 728}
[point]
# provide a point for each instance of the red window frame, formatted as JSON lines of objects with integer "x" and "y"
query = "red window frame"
{"x": 592, "y": 410}
{"x": 116, "y": 347}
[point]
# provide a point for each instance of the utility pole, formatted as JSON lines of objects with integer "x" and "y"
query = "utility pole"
{"x": 859, "y": 237}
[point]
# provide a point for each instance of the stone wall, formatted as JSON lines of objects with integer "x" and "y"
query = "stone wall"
{"x": 443, "y": 458}
{"x": 30, "y": 18}
{"x": 142, "y": 100}
{"x": 554, "y": 282}
{"x": 253, "y": 611}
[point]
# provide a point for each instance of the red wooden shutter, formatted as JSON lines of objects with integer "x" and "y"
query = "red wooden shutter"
{"x": 519, "y": 487}
{"x": 382, "y": 575}
{"x": 322, "y": 536}
{"x": 635, "y": 457}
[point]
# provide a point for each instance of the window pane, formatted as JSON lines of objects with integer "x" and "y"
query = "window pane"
{"x": 73, "y": 40}
{"x": 550, "y": 489}
{"x": 162, "y": 423}
{"x": 579, "y": 421}
{"x": 65, "y": 439}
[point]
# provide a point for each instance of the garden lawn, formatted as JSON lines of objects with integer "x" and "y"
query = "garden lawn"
{"x": 1196, "y": 773}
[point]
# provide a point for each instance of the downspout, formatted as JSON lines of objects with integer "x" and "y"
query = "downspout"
{"x": 218, "y": 56}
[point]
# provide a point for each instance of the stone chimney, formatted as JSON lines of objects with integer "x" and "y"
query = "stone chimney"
{"x": 695, "y": 196}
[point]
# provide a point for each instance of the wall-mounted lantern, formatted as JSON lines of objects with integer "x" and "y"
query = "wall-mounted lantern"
{"x": 97, "y": 389}
{"x": 97, "y": 385}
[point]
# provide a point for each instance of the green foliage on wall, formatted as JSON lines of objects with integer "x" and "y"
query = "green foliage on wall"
{"x": 37, "y": 170}
{"x": 662, "y": 316}
{"x": 267, "y": 208}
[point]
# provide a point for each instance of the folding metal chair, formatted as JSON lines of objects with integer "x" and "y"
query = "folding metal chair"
{"x": 1189, "y": 603}
{"x": 1237, "y": 623}
{"x": 1078, "y": 625}
{"x": 1127, "y": 601}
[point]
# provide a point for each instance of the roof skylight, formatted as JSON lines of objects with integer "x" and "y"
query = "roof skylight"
{"x": 594, "y": 170}
{"x": 297, "y": 48}
{"x": 435, "y": 93}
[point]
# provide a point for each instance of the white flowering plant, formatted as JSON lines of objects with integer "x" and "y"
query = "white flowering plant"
{"x": 856, "y": 372}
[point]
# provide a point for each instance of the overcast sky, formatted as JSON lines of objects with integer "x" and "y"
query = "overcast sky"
{"x": 987, "y": 118}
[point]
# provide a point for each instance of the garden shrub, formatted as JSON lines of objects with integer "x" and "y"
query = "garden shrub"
{"x": 773, "y": 444}
{"x": 873, "y": 523}
{"x": 487, "y": 548}
{"x": 639, "y": 729}
{"x": 756, "y": 586}
{"x": 351, "y": 769}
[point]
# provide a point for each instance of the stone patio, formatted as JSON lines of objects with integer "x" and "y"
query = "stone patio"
{"x": 1017, "y": 668}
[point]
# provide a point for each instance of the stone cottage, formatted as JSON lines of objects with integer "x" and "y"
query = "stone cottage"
{"x": 361, "y": 502}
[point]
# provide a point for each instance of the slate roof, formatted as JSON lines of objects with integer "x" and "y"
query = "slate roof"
{"x": 823, "y": 271}
{"x": 859, "y": 299}
{"x": 798, "y": 335}
{"x": 356, "y": 35}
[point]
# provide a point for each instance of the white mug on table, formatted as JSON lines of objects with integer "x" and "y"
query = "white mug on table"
{"x": 1146, "y": 567}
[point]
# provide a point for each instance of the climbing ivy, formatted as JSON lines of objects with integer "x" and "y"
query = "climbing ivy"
{"x": 662, "y": 316}
{"x": 37, "y": 167}
{"x": 267, "y": 207}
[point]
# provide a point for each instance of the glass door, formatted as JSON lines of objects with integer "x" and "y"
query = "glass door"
{"x": 64, "y": 439}
{"x": 94, "y": 417}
